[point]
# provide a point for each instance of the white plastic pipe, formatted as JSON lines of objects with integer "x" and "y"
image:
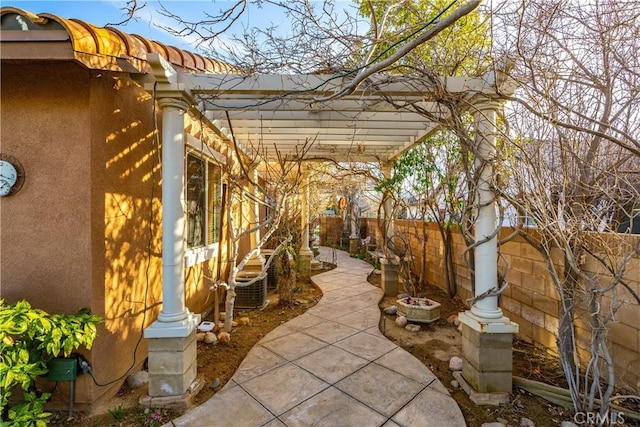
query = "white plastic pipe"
{"x": 305, "y": 249}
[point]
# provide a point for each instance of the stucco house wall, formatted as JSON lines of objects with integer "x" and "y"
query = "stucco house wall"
{"x": 85, "y": 230}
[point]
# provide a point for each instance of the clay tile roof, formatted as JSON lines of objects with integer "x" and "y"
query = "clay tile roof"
{"x": 109, "y": 48}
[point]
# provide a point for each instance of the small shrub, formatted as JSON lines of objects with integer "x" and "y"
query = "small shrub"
{"x": 29, "y": 338}
{"x": 118, "y": 413}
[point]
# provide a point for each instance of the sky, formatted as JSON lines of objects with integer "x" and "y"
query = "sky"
{"x": 148, "y": 22}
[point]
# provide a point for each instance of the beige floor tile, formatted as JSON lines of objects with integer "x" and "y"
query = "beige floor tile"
{"x": 366, "y": 345}
{"x": 351, "y": 303}
{"x": 258, "y": 361}
{"x": 220, "y": 411}
{"x": 332, "y": 408}
{"x": 406, "y": 364}
{"x": 331, "y": 364}
{"x": 294, "y": 346}
{"x": 431, "y": 409}
{"x": 330, "y": 331}
{"x": 359, "y": 320}
{"x": 280, "y": 331}
{"x": 380, "y": 388}
{"x": 323, "y": 311}
{"x": 274, "y": 389}
{"x": 275, "y": 423}
{"x": 303, "y": 321}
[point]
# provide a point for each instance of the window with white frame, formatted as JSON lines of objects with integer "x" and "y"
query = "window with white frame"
{"x": 203, "y": 200}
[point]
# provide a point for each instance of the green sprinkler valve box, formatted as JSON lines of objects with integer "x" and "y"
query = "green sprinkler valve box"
{"x": 62, "y": 369}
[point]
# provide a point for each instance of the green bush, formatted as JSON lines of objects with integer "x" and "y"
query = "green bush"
{"x": 29, "y": 338}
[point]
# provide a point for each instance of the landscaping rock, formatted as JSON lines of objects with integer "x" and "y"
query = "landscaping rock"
{"x": 494, "y": 424}
{"x": 453, "y": 320}
{"x": 401, "y": 321}
{"x": 391, "y": 310}
{"x": 244, "y": 321}
{"x": 526, "y": 422}
{"x": 224, "y": 337}
{"x": 215, "y": 384}
{"x": 455, "y": 363}
{"x": 454, "y": 384}
{"x": 200, "y": 336}
{"x": 412, "y": 327}
{"x": 210, "y": 338}
{"x": 138, "y": 379}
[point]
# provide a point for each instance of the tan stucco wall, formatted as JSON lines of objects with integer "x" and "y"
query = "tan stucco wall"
{"x": 126, "y": 222}
{"x": 85, "y": 230}
{"x": 46, "y": 226}
{"x": 77, "y": 234}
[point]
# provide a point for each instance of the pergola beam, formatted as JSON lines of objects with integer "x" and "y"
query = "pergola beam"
{"x": 317, "y": 85}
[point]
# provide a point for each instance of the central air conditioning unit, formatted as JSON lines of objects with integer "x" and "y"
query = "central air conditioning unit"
{"x": 253, "y": 295}
{"x": 272, "y": 271}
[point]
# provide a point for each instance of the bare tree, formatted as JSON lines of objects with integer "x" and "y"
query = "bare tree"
{"x": 279, "y": 183}
{"x": 576, "y": 117}
{"x": 430, "y": 178}
{"x": 571, "y": 133}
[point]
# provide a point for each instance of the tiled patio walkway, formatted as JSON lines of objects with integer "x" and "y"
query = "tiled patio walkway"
{"x": 331, "y": 366}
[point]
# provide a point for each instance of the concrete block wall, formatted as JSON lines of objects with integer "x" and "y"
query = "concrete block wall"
{"x": 532, "y": 301}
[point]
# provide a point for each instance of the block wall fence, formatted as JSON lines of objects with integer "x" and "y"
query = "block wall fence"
{"x": 531, "y": 299}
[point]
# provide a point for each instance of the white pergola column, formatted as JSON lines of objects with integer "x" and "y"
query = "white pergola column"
{"x": 171, "y": 338}
{"x": 486, "y": 225}
{"x": 387, "y": 171}
{"x": 389, "y": 266}
{"x": 256, "y": 210}
{"x": 174, "y": 319}
{"x": 487, "y": 335}
{"x": 305, "y": 250}
{"x": 353, "y": 217}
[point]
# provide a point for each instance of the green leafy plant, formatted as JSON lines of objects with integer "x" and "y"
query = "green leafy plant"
{"x": 29, "y": 338}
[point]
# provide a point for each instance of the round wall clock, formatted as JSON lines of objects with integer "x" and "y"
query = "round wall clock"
{"x": 11, "y": 175}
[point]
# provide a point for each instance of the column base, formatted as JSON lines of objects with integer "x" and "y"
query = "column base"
{"x": 487, "y": 353}
{"x": 482, "y": 399}
{"x": 181, "y": 328}
{"x": 389, "y": 277}
{"x": 354, "y": 245}
{"x": 305, "y": 256}
{"x": 178, "y": 403}
{"x": 172, "y": 365}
